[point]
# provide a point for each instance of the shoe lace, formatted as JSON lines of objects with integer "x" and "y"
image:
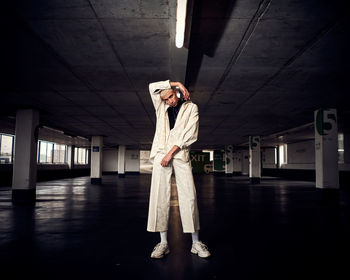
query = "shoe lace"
{"x": 203, "y": 246}
{"x": 158, "y": 246}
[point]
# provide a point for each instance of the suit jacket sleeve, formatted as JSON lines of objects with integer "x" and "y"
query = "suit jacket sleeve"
{"x": 155, "y": 89}
{"x": 190, "y": 133}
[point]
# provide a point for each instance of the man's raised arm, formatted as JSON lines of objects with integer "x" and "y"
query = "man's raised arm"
{"x": 155, "y": 89}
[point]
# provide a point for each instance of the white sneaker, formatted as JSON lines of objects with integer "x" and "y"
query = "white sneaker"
{"x": 160, "y": 250}
{"x": 200, "y": 249}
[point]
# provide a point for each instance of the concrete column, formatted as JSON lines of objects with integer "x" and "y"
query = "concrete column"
{"x": 121, "y": 160}
{"x": 326, "y": 149}
{"x": 228, "y": 160}
{"x": 277, "y": 157}
{"x": 89, "y": 157}
{"x": 25, "y": 162}
{"x": 70, "y": 156}
{"x": 254, "y": 159}
{"x": 237, "y": 162}
{"x": 96, "y": 159}
{"x": 245, "y": 162}
{"x": 346, "y": 147}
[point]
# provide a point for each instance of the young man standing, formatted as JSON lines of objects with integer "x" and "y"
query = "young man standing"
{"x": 176, "y": 130}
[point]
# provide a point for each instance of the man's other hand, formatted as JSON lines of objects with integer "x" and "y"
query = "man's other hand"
{"x": 182, "y": 88}
{"x": 165, "y": 161}
{"x": 184, "y": 91}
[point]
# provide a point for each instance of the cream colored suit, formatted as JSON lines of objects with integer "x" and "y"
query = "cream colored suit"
{"x": 183, "y": 134}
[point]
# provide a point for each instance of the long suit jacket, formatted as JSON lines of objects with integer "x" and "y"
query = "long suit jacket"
{"x": 185, "y": 130}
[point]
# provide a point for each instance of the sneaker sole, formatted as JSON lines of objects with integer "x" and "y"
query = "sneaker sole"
{"x": 194, "y": 251}
{"x": 161, "y": 256}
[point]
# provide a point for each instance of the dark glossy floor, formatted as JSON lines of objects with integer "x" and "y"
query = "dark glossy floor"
{"x": 275, "y": 230}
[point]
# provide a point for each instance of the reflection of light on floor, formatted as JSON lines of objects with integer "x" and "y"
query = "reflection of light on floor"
{"x": 173, "y": 198}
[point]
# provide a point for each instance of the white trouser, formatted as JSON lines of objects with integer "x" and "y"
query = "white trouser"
{"x": 159, "y": 203}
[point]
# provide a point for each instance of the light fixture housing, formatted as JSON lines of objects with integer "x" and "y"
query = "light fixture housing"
{"x": 181, "y": 12}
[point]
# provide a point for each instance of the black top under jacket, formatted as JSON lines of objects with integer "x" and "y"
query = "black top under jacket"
{"x": 172, "y": 113}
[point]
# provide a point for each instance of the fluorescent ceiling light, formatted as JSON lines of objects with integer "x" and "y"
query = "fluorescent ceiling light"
{"x": 180, "y": 22}
{"x": 53, "y": 129}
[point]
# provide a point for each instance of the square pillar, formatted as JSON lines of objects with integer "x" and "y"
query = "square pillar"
{"x": 326, "y": 149}
{"x": 254, "y": 159}
{"x": 25, "y": 161}
{"x": 245, "y": 162}
{"x": 346, "y": 147}
{"x": 70, "y": 156}
{"x": 237, "y": 162}
{"x": 228, "y": 160}
{"x": 96, "y": 159}
{"x": 121, "y": 161}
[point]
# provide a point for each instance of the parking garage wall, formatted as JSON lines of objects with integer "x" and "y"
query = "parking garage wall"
{"x": 110, "y": 161}
{"x": 46, "y": 172}
{"x": 300, "y": 155}
{"x": 300, "y": 163}
{"x": 268, "y": 157}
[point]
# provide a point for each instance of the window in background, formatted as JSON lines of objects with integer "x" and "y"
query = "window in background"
{"x": 6, "y": 148}
{"x": 276, "y": 155}
{"x": 76, "y": 155}
{"x": 211, "y": 154}
{"x": 42, "y": 145}
{"x": 49, "y": 153}
{"x": 45, "y": 152}
{"x": 59, "y": 153}
{"x": 283, "y": 154}
{"x": 87, "y": 156}
{"x": 63, "y": 154}
{"x": 81, "y": 156}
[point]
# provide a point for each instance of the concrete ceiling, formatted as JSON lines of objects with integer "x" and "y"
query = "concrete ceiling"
{"x": 254, "y": 67}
